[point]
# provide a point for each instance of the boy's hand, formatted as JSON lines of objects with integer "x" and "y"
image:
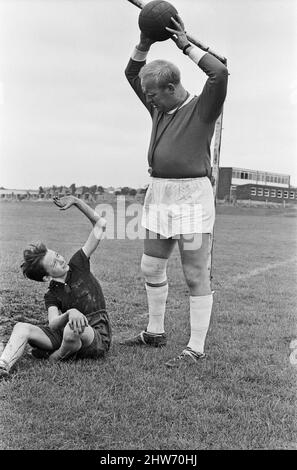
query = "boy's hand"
{"x": 77, "y": 321}
{"x": 102, "y": 223}
{"x": 64, "y": 202}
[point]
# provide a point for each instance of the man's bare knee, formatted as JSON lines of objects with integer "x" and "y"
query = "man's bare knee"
{"x": 197, "y": 279}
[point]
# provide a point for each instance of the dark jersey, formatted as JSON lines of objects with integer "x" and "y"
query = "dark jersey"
{"x": 180, "y": 142}
{"x": 81, "y": 290}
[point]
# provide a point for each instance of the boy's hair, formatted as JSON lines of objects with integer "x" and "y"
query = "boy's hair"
{"x": 32, "y": 267}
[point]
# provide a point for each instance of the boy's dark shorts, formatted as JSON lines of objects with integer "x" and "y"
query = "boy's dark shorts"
{"x": 100, "y": 344}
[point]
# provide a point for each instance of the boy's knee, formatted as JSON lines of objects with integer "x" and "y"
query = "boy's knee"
{"x": 22, "y": 328}
{"x": 69, "y": 335}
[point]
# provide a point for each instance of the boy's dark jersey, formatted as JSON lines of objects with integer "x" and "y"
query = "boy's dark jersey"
{"x": 81, "y": 290}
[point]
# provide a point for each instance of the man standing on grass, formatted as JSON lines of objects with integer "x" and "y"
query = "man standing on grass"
{"x": 79, "y": 326}
{"x": 179, "y": 200}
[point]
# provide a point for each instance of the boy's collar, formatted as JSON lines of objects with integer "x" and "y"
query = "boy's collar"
{"x": 59, "y": 281}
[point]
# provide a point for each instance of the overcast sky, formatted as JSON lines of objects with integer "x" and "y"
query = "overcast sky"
{"x": 69, "y": 116}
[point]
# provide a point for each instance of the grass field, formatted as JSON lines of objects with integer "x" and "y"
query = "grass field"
{"x": 242, "y": 397}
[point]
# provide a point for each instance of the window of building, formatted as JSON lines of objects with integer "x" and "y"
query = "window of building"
{"x": 292, "y": 195}
{"x": 253, "y": 192}
{"x": 237, "y": 174}
{"x": 266, "y": 192}
{"x": 273, "y": 193}
{"x": 260, "y": 191}
{"x": 244, "y": 175}
{"x": 279, "y": 193}
{"x": 286, "y": 194}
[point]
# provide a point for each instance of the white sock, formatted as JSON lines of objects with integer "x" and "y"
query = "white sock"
{"x": 14, "y": 349}
{"x": 200, "y": 312}
{"x": 156, "y": 298}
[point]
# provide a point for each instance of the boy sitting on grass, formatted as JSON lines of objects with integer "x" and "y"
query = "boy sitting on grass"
{"x": 79, "y": 326}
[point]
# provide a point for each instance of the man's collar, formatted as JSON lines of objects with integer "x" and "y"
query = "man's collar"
{"x": 188, "y": 99}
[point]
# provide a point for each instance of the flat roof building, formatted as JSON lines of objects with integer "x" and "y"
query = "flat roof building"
{"x": 242, "y": 183}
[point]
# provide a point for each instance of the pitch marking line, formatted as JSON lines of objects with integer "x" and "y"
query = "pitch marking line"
{"x": 264, "y": 269}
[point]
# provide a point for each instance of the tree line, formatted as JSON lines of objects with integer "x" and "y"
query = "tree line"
{"x": 94, "y": 189}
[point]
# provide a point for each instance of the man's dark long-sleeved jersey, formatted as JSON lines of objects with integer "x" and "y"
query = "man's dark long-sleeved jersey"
{"x": 183, "y": 150}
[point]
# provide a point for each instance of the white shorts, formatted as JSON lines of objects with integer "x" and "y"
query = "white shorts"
{"x": 179, "y": 206}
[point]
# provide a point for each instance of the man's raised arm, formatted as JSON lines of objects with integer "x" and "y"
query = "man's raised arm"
{"x": 214, "y": 92}
{"x": 135, "y": 64}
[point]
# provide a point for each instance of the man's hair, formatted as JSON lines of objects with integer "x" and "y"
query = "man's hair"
{"x": 161, "y": 72}
{"x": 32, "y": 266}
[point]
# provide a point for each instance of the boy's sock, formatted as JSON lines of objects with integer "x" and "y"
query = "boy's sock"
{"x": 14, "y": 349}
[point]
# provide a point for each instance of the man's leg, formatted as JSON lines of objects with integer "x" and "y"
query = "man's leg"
{"x": 153, "y": 265}
{"x": 72, "y": 342}
{"x": 23, "y": 333}
{"x": 195, "y": 261}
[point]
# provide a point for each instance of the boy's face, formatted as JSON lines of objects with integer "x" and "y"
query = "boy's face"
{"x": 54, "y": 264}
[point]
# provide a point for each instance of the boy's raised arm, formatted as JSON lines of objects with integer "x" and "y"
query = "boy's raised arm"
{"x": 67, "y": 201}
{"x": 94, "y": 237}
{"x": 99, "y": 223}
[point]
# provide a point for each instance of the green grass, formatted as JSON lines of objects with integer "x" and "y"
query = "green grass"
{"x": 242, "y": 397}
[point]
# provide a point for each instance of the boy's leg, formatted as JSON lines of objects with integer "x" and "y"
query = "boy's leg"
{"x": 72, "y": 342}
{"x": 23, "y": 333}
{"x": 101, "y": 342}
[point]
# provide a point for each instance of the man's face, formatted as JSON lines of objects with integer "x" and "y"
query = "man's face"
{"x": 54, "y": 264}
{"x": 160, "y": 98}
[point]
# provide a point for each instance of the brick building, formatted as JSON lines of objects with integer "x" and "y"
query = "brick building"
{"x": 240, "y": 183}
